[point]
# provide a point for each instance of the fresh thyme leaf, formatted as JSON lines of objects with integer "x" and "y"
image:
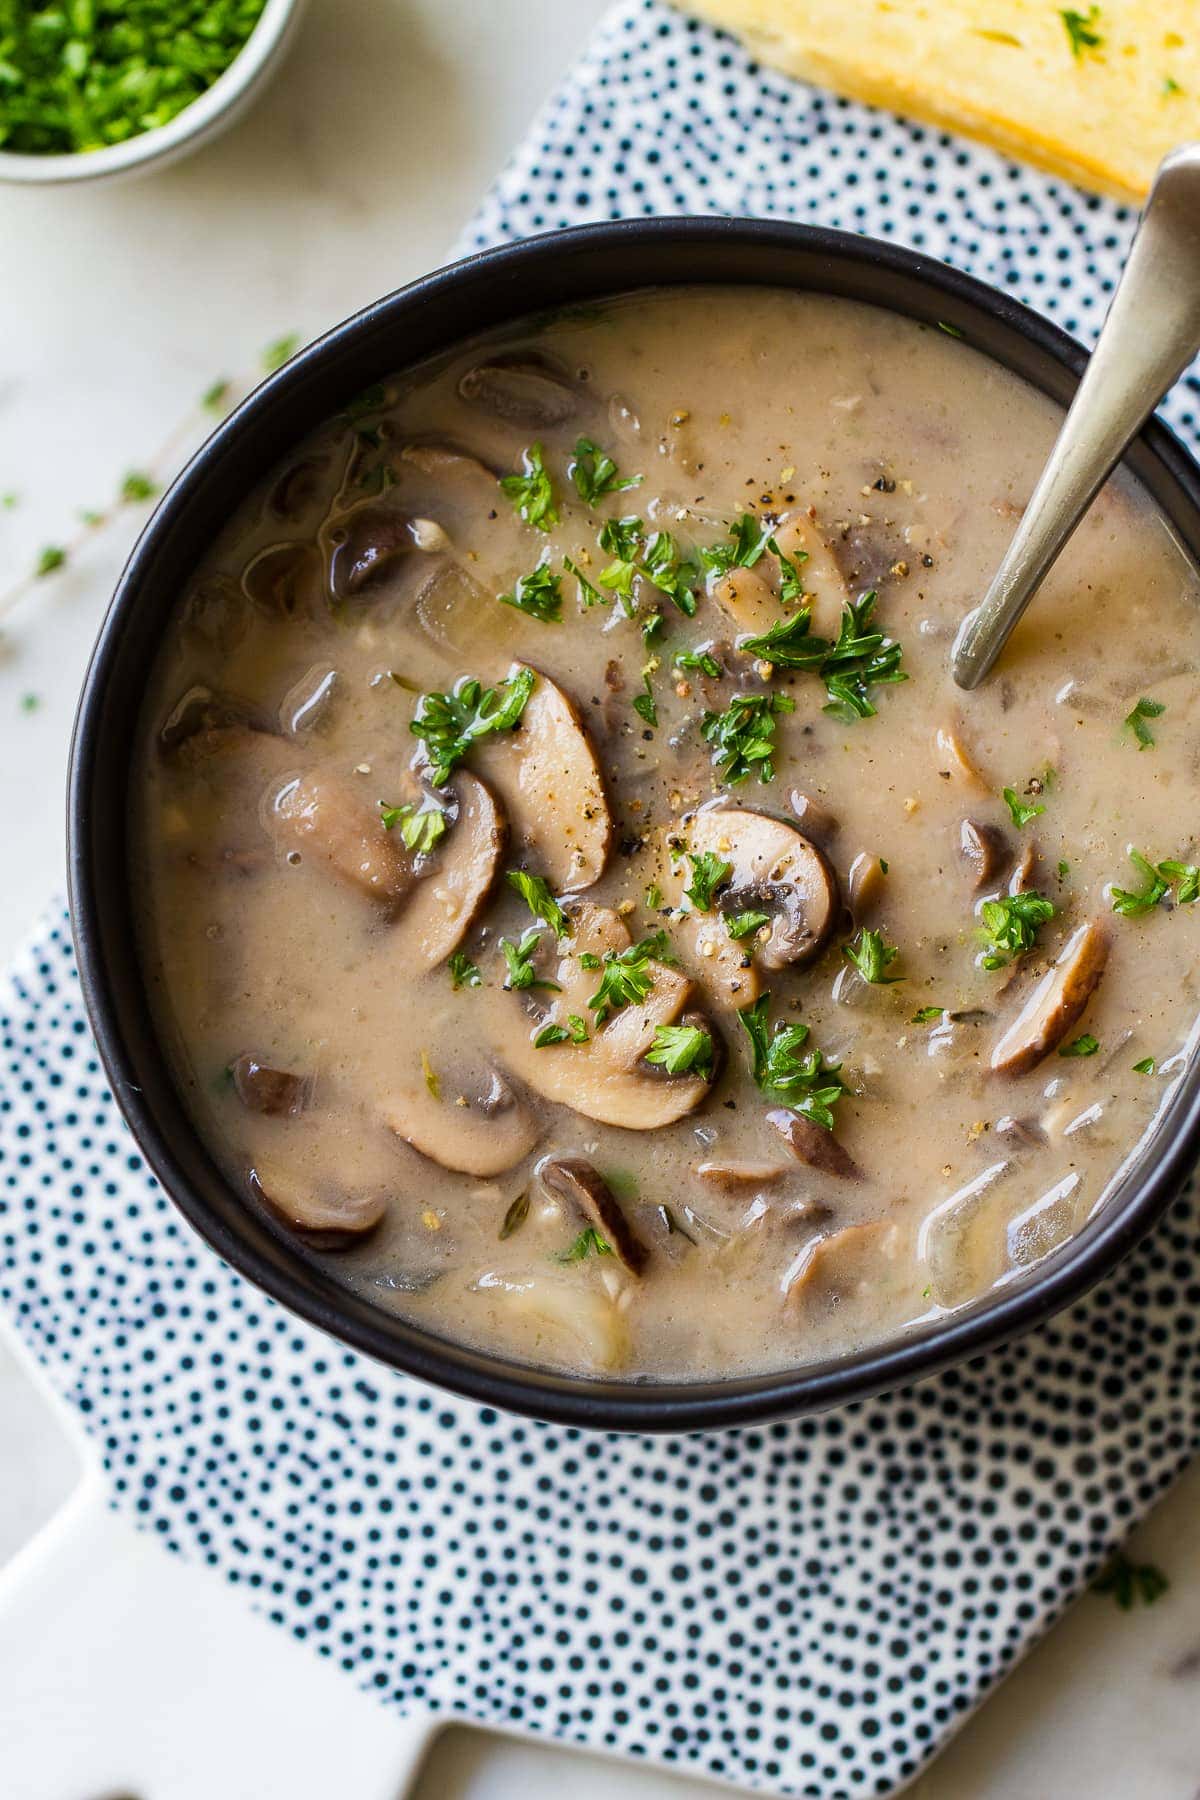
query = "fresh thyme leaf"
{"x": 421, "y": 828}
{"x": 463, "y": 972}
{"x": 703, "y": 660}
{"x": 1081, "y": 30}
{"x": 532, "y": 492}
{"x": 678, "y": 1048}
{"x": 789, "y": 643}
{"x": 589, "y": 595}
{"x": 1135, "y": 721}
{"x": 431, "y": 1077}
{"x": 449, "y": 724}
{"x": 791, "y": 586}
{"x": 51, "y": 557}
{"x": 539, "y": 594}
{"x": 1084, "y": 1045}
{"x": 550, "y": 1034}
{"x": 708, "y": 873}
{"x": 745, "y": 924}
{"x": 1145, "y": 1067}
{"x": 872, "y": 957}
{"x": 595, "y": 473}
{"x": 925, "y": 1015}
{"x": 535, "y": 892}
{"x": 671, "y": 573}
{"x": 860, "y": 660}
{"x": 1132, "y": 903}
{"x": 519, "y": 957}
{"x": 281, "y": 351}
{"x": 626, "y": 976}
{"x": 805, "y": 1082}
{"x": 746, "y": 540}
{"x": 1128, "y": 1582}
{"x": 1011, "y": 925}
{"x": 516, "y": 1215}
{"x": 588, "y": 1241}
{"x": 138, "y": 486}
{"x": 1021, "y": 814}
{"x": 742, "y": 736}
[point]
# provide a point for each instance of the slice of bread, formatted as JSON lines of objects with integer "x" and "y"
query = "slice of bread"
{"x": 1095, "y": 93}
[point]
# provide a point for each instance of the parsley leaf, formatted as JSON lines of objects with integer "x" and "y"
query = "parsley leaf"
{"x": 449, "y": 724}
{"x": 1135, "y": 721}
{"x": 138, "y": 486}
{"x": 925, "y": 1015}
{"x": 422, "y": 828}
{"x": 742, "y": 736}
{"x": 791, "y": 587}
{"x": 703, "y": 660}
{"x": 708, "y": 872}
{"x": 532, "y": 492}
{"x": 1080, "y": 29}
{"x": 52, "y": 557}
{"x": 622, "y": 540}
{"x": 1188, "y": 877}
{"x": 519, "y": 957}
{"x": 463, "y": 972}
{"x": 805, "y": 1082}
{"x": 1011, "y": 925}
{"x": 595, "y": 473}
{"x": 644, "y": 704}
{"x": 589, "y": 594}
{"x": 745, "y": 924}
{"x": 550, "y": 1034}
{"x": 535, "y": 892}
{"x": 746, "y": 541}
{"x": 626, "y": 976}
{"x": 1145, "y": 1067}
{"x": 678, "y": 1048}
{"x": 587, "y": 1241}
{"x": 872, "y": 957}
{"x": 1021, "y": 814}
{"x": 1084, "y": 1045}
{"x": 539, "y": 594}
{"x": 668, "y": 571}
{"x": 860, "y": 660}
{"x": 1132, "y": 903}
{"x": 789, "y": 644}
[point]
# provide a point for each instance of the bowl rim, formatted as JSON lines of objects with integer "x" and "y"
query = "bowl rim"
{"x": 1152, "y": 1176}
{"x": 197, "y": 120}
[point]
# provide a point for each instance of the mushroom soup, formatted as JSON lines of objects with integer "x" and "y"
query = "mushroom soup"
{"x": 577, "y": 902}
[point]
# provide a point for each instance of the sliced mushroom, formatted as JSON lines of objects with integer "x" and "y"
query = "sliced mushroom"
{"x": 454, "y": 886}
{"x": 842, "y": 1265}
{"x": 954, "y": 761}
{"x": 522, "y": 391}
{"x": 1056, "y": 1004}
{"x": 321, "y": 814}
{"x": 201, "y": 710}
{"x": 865, "y": 881}
{"x": 298, "y": 488}
{"x": 604, "y": 1078}
{"x": 813, "y": 1145}
{"x": 727, "y": 1174}
{"x": 750, "y": 601}
{"x": 815, "y": 820}
{"x": 825, "y": 591}
{"x": 549, "y": 781}
{"x": 776, "y": 868}
{"x": 1024, "y": 869}
{"x": 574, "y": 1313}
{"x": 575, "y": 1179}
{"x": 328, "y": 1218}
{"x": 985, "y": 850}
{"x": 262, "y": 1089}
{"x": 364, "y": 545}
{"x": 477, "y": 1124}
{"x": 283, "y": 580}
{"x": 215, "y": 615}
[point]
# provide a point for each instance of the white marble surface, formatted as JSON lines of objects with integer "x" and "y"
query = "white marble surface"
{"x": 118, "y": 307}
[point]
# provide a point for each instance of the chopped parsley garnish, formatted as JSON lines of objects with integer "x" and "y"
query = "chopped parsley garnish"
{"x": 652, "y": 625}
{"x": 708, "y": 873}
{"x": 745, "y": 543}
{"x": 644, "y": 704}
{"x": 588, "y": 1241}
{"x": 550, "y": 1034}
{"x": 680, "y": 1048}
{"x": 138, "y": 486}
{"x": 595, "y": 473}
{"x": 1135, "y": 721}
{"x": 516, "y": 1215}
{"x": 742, "y": 736}
{"x": 925, "y": 1015}
{"x": 1021, "y": 814}
{"x": 539, "y": 594}
{"x": 589, "y": 594}
{"x": 1011, "y": 925}
{"x": 860, "y": 660}
{"x": 802, "y": 1079}
{"x": 1128, "y": 1582}
{"x": 791, "y": 586}
{"x": 1081, "y": 30}
{"x": 1133, "y": 902}
{"x": 872, "y": 957}
{"x": 577, "y": 1028}
{"x": 535, "y": 892}
{"x": 789, "y": 644}
{"x": 1145, "y": 1067}
{"x": 449, "y": 724}
{"x": 745, "y": 924}
{"x": 703, "y": 660}
{"x": 622, "y": 540}
{"x": 422, "y": 828}
{"x": 1188, "y": 877}
{"x": 1084, "y": 1045}
{"x": 532, "y": 492}
{"x": 653, "y": 896}
{"x": 671, "y": 573}
{"x": 519, "y": 957}
{"x": 463, "y": 972}
{"x": 626, "y": 976}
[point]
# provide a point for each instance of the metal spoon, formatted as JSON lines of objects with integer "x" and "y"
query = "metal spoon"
{"x": 1150, "y": 336}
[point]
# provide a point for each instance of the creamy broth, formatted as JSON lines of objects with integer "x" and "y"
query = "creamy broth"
{"x": 587, "y": 1175}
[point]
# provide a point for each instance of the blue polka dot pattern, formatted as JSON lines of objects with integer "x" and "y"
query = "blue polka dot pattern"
{"x": 806, "y": 1608}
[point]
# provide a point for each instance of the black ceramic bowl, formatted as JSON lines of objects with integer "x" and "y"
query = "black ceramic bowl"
{"x": 423, "y": 319}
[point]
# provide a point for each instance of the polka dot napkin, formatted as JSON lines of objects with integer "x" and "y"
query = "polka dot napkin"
{"x": 808, "y": 1608}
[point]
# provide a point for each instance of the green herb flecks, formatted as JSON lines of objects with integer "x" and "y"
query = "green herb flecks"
{"x": 791, "y": 585}
{"x": 927, "y": 1015}
{"x": 872, "y": 957}
{"x": 588, "y": 1241}
{"x": 535, "y": 892}
{"x": 703, "y": 660}
{"x": 516, "y": 1215}
{"x": 1084, "y": 1045}
{"x": 519, "y": 957}
{"x": 745, "y": 542}
{"x": 670, "y": 572}
{"x": 538, "y": 594}
{"x": 137, "y": 486}
{"x": 550, "y": 1034}
{"x": 621, "y": 539}
{"x": 280, "y": 351}
{"x": 463, "y": 972}
{"x": 1129, "y": 1582}
{"x": 1011, "y": 925}
{"x": 861, "y": 659}
{"x": 708, "y": 873}
{"x": 682, "y": 1050}
{"x": 532, "y": 492}
{"x": 745, "y": 924}
{"x": 449, "y": 724}
{"x": 1146, "y": 1066}
{"x": 627, "y": 976}
{"x": 50, "y": 557}
{"x": 644, "y": 704}
{"x": 431, "y": 1077}
{"x": 422, "y": 828}
{"x": 589, "y": 594}
{"x": 784, "y": 1070}
{"x": 789, "y": 644}
{"x": 1021, "y": 813}
{"x": 742, "y": 737}
{"x": 595, "y": 473}
{"x": 1157, "y": 881}
{"x": 1081, "y": 30}
{"x": 1135, "y": 721}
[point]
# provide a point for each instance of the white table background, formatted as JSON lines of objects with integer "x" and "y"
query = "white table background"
{"x": 118, "y": 307}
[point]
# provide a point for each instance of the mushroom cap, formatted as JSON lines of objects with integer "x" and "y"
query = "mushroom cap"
{"x": 812, "y": 1144}
{"x": 322, "y": 814}
{"x": 455, "y": 881}
{"x": 520, "y": 390}
{"x": 775, "y": 864}
{"x": 985, "y": 851}
{"x": 575, "y": 1179}
{"x": 479, "y": 1126}
{"x": 262, "y": 1089}
{"x": 844, "y": 1264}
{"x": 865, "y": 881}
{"x": 284, "y": 579}
{"x": 325, "y": 1217}
{"x": 548, "y": 778}
{"x": 1056, "y": 1004}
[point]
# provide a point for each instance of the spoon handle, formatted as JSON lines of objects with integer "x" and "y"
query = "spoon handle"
{"x": 1150, "y": 335}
